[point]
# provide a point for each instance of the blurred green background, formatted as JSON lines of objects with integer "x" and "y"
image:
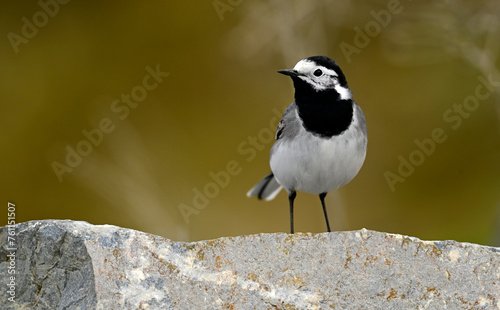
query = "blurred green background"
{"x": 407, "y": 63}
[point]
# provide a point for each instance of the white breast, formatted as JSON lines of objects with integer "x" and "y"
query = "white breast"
{"x": 317, "y": 165}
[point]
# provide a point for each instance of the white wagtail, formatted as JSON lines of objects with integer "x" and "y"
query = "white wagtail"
{"x": 321, "y": 138}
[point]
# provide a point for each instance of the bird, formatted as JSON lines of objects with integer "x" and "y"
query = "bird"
{"x": 321, "y": 139}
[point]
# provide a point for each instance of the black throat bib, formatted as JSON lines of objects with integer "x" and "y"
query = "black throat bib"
{"x": 323, "y": 113}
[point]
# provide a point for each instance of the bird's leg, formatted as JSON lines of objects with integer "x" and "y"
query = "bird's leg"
{"x": 322, "y": 198}
{"x": 291, "y": 198}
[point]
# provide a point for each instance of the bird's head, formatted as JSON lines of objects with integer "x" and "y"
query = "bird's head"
{"x": 319, "y": 74}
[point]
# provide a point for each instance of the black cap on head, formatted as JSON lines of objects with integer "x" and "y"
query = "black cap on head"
{"x": 330, "y": 64}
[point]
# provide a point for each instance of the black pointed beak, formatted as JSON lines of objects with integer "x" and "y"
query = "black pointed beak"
{"x": 289, "y": 72}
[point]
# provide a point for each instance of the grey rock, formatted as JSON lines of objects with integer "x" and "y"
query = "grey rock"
{"x": 75, "y": 265}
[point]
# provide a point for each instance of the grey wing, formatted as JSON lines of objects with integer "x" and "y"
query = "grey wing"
{"x": 288, "y": 127}
{"x": 279, "y": 130}
{"x": 361, "y": 119}
{"x": 289, "y": 124}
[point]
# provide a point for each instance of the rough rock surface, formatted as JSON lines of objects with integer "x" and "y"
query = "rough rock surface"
{"x": 76, "y": 265}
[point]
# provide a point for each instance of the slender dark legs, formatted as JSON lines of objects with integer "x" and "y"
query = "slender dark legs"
{"x": 291, "y": 198}
{"x": 322, "y": 198}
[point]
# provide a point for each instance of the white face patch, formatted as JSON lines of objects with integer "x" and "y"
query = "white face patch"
{"x": 328, "y": 79}
{"x": 345, "y": 93}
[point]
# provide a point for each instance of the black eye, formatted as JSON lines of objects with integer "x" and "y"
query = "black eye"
{"x": 318, "y": 72}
